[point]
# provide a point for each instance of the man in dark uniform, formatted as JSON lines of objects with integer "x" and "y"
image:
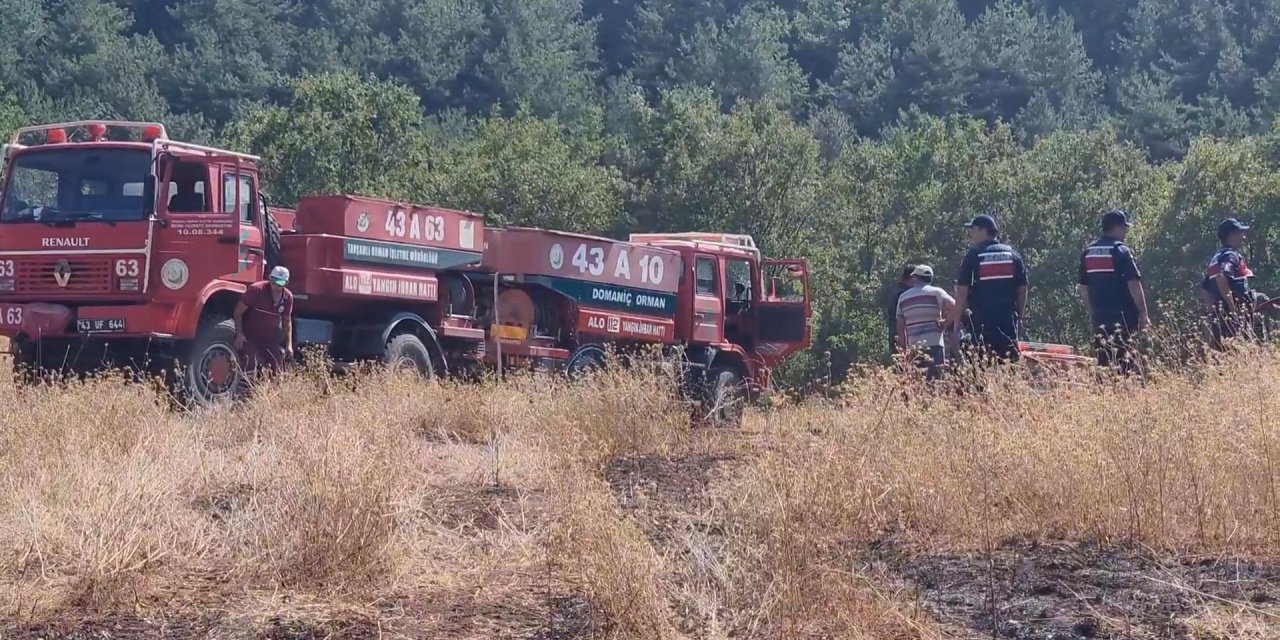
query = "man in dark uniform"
{"x": 991, "y": 290}
{"x": 1226, "y": 283}
{"x": 1111, "y": 288}
{"x": 891, "y": 306}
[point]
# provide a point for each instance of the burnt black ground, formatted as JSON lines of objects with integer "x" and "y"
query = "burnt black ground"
{"x": 1079, "y": 590}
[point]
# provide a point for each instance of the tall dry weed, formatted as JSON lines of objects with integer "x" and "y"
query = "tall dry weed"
{"x": 475, "y": 510}
{"x": 1174, "y": 464}
{"x": 606, "y": 556}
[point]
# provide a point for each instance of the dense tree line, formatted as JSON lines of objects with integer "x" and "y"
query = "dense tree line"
{"x": 858, "y": 133}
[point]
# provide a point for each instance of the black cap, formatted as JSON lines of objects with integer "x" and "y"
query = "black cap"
{"x": 1115, "y": 217}
{"x": 1231, "y": 225}
{"x": 984, "y": 222}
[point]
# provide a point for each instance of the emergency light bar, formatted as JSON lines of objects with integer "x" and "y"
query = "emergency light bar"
{"x": 89, "y": 131}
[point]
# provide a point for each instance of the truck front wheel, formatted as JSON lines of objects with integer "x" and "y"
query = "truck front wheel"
{"x": 724, "y": 396}
{"x": 211, "y": 369}
{"x": 26, "y": 368}
{"x": 407, "y": 352}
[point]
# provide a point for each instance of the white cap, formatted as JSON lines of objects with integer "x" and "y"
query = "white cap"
{"x": 279, "y": 275}
{"x": 923, "y": 271}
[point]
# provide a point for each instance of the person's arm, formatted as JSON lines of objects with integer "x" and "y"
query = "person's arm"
{"x": 1082, "y": 287}
{"x": 1128, "y": 266}
{"x": 286, "y": 324}
{"x": 968, "y": 267}
{"x": 1226, "y": 269}
{"x": 1022, "y": 281}
{"x": 1140, "y": 299}
{"x": 238, "y": 316}
{"x": 902, "y": 331}
{"x": 948, "y": 311}
{"x": 1224, "y": 291}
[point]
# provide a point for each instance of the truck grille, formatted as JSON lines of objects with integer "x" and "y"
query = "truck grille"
{"x": 86, "y": 275}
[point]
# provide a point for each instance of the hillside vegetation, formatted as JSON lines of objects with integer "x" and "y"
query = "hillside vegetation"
{"x": 535, "y": 509}
{"x": 858, "y": 133}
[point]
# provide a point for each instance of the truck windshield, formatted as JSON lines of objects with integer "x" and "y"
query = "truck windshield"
{"x": 76, "y": 184}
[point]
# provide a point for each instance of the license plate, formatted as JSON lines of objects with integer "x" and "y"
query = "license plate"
{"x": 99, "y": 325}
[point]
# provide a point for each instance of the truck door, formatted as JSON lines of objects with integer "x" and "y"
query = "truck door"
{"x": 708, "y": 300}
{"x": 195, "y": 240}
{"x": 782, "y": 315}
{"x": 239, "y": 197}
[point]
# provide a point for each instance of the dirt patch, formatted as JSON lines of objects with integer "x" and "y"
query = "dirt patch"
{"x": 222, "y": 502}
{"x": 1052, "y": 592}
{"x": 656, "y": 480}
{"x": 472, "y": 508}
{"x": 509, "y": 615}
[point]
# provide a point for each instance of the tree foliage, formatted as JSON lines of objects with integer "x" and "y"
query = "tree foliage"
{"x": 857, "y": 133}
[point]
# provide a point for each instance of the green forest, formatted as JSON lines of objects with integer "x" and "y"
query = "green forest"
{"x": 856, "y": 133}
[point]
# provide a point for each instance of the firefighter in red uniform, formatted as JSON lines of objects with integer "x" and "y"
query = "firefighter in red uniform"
{"x": 264, "y": 322}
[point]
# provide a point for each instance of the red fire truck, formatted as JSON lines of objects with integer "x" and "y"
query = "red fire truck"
{"x": 119, "y": 246}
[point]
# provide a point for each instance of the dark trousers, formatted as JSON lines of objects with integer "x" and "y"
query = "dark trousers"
{"x": 264, "y": 357}
{"x": 1224, "y": 324}
{"x": 931, "y": 360}
{"x": 999, "y": 339}
{"x": 1112, "y": 340}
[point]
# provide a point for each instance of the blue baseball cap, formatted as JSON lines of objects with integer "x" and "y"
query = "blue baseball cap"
{"x": 1115, "y": 217}
{"x": 1231, "y": 225}
{"x": 983, "y": 221}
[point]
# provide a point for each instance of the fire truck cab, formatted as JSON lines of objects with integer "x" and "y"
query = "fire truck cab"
{"x": 118, "y": 245}
{"x": 738, "y": 314}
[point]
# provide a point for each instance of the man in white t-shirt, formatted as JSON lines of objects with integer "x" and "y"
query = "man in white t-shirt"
{"x": 925, "y": 314}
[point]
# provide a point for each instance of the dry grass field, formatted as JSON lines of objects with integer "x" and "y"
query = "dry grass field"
{"x": 535, "y": 509}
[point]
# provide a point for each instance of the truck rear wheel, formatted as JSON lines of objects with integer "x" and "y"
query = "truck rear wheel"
{"x": 724, "y": 396}
{"x": 211, "y": 369}
{"x": 585, "y": 361}
{"x": 407, "y": 352}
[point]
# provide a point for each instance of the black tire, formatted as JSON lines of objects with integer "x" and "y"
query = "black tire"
{"x": 585, "y": 361}
{"x": 406, "y": 351}
{"x": 271, "y": 243}
{"x": 211, "y": 370}
{"x": 724, "y": 396}
{"x": 26, "y": 369}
